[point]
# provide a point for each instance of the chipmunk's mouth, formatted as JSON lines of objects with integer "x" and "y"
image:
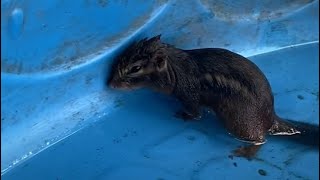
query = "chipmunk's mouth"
{"x": 120, "y": 85}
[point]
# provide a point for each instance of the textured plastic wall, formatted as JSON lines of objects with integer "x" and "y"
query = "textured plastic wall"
{"x": 60, "y": 121}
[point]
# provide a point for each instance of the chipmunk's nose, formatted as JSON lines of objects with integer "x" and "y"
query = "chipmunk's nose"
{"x": 110, "y": 82}
{"x": 111, "y": 85}
{"x": 114, "y": 83}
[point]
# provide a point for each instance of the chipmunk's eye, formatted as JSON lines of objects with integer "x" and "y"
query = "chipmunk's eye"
{"x": 135, "y": 69}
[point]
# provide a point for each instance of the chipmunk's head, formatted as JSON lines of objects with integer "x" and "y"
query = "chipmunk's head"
{"x": 139, "y": 65}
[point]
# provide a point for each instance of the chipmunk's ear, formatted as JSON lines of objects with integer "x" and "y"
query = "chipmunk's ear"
{"x": 161, "y": 64}
{"x": 155, "y": 38}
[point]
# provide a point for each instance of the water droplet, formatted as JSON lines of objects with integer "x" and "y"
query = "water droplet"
{"x": 16, "y": 22}
{"x": 15, "y": 162}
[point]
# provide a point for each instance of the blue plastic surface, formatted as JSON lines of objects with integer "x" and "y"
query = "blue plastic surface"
{"x": 60, "y": 121}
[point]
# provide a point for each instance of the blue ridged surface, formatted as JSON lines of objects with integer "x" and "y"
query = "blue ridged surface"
{"x": 59, "y": 121}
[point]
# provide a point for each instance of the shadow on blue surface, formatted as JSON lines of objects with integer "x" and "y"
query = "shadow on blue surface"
{"x": 57, "y": 110}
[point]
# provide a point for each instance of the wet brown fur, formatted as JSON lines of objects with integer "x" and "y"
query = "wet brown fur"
{"x": 228, "y": 83}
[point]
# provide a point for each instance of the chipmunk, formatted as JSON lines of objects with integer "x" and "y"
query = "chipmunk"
{"x": 227, "y": 83}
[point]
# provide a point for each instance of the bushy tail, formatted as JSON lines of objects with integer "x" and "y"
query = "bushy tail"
{"x": 300, "y": 132}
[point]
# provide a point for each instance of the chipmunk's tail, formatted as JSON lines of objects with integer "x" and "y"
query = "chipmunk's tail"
{"x": 300, "y": 132}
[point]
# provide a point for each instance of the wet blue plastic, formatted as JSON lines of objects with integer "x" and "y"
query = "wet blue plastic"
{"x": 59, "y": 121}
